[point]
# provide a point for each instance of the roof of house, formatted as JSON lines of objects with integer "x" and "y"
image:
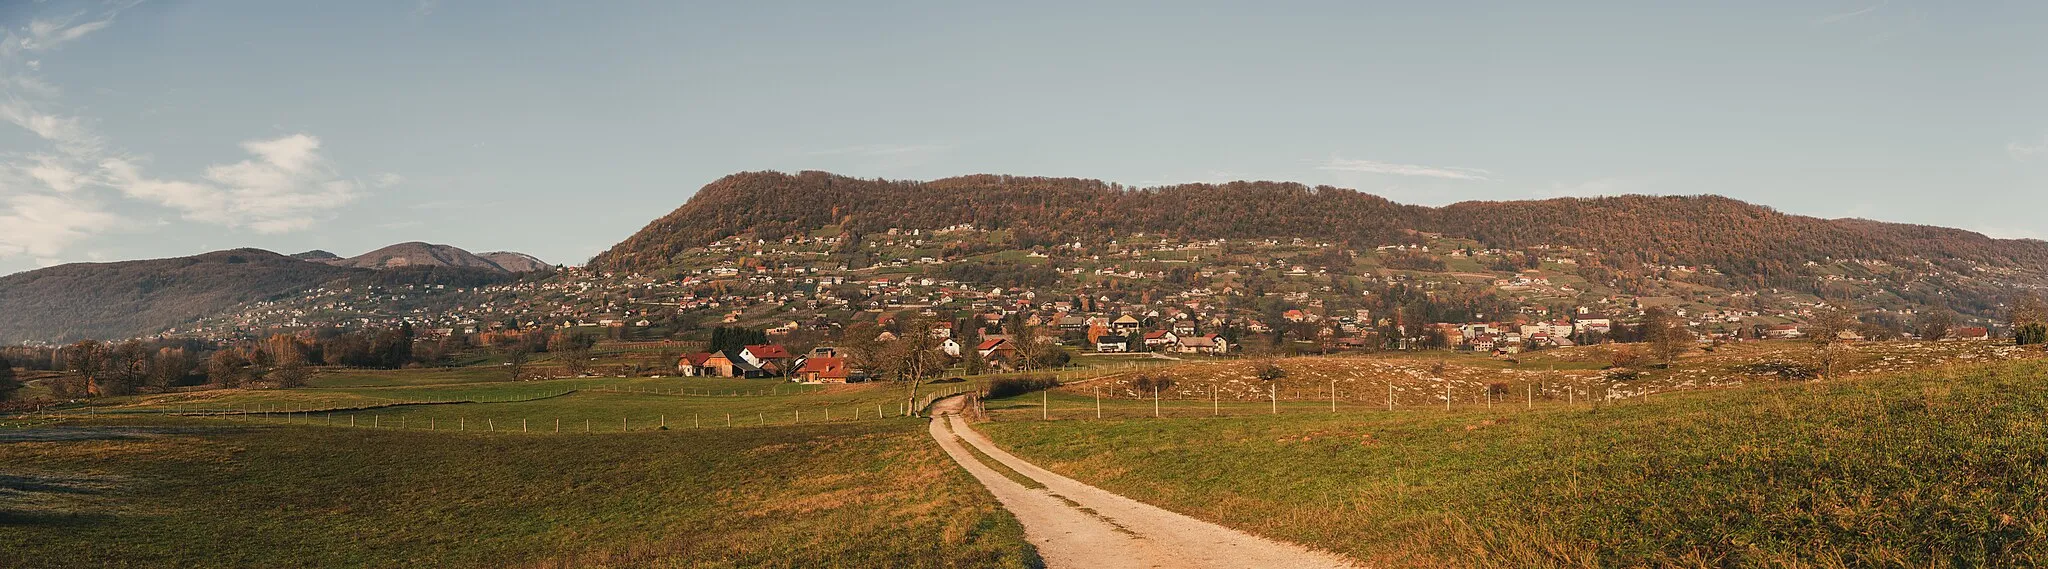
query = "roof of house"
{"x": 769, "y": 351}
{"x": 1127, "y": 319}
{"x": 824, "y": 367}
{"x": 696, "y": 359}
{"x": 1156, "y": 334}
{"x": 990, "y": 343}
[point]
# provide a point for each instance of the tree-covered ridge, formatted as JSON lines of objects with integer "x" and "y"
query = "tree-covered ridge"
{"x": 1752, "y": 245}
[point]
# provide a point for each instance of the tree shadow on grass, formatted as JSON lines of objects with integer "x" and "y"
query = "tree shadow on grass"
{"x": 16, "y": 518}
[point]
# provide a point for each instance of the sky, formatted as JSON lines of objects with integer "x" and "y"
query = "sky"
{"x": 149, "y": 128}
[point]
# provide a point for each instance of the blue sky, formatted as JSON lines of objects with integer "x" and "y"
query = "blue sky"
{"x": 160, "y": 128}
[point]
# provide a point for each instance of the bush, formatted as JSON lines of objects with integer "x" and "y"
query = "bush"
{"x": 1150, "y": 384}
{"x": 1014, "y": 386}
{"x": 2031, "y": 333}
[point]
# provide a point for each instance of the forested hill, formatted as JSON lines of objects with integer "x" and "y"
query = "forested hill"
{"x": 119, "y": 300}
{"x": 1753, "y": 244}
{"x": 134, "y": 298}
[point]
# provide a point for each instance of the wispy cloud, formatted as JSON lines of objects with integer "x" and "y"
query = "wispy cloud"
{"x": 52, "y": 198}
{"x": 287, "y": 186}
{"x": 1859, "y": 12}
{"x": 42, "y": 225}
{"x": 1376, "y": 167}
{"x": 2027, "y": 150}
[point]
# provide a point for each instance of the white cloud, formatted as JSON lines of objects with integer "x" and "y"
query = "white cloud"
{"x": 387, "y": 179}
{"x": 69, "y": 134}
{"x": 287, "y": 186}
{"x": 44, "y": 34}
{"x": 42, "y": 225}
{"x": 2027, "y": 150}
{"x": 1374, "y": 167}
{"x": 53, "y": 173}
{"x": 54, "y": 198}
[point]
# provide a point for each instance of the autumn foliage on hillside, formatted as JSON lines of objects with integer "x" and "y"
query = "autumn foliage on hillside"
{"x": 1753, "y": 245}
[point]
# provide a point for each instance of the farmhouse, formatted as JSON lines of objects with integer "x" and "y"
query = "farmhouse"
{"x": 823, "y": 370}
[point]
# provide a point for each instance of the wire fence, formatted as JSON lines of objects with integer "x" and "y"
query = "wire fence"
{"x": 542, "y": 422}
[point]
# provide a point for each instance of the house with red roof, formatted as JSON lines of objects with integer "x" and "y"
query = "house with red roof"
{"x": 692, "y": 365}
{"x": 771, "y": 358}
{"x": 823, "y": 370}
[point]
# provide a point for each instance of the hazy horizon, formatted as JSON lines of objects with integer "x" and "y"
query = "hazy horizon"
{"x": 142, "y": 129}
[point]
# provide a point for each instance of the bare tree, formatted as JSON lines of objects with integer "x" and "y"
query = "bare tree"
{"x": 87, "y": 361}
{"x": 1825, "y": 332}
{"x": 1934, "y": 324}
{"x": 1666, "y": 333}
{"x": 1029, "y": 342}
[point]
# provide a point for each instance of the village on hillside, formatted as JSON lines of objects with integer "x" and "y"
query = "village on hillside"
{"x": 971, "y": 289}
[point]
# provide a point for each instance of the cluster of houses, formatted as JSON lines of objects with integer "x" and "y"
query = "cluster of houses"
{"x": 821, "y": 365}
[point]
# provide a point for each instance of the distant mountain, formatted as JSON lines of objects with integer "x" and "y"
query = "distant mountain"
{"x": 419, "y": 254}
{"x": 516, "y": 262}
{"x": 416, "y": 254}
{"x": 130, "y": 298}
{"x": 316, "y": 255}
{"x": 1750, "y": 246}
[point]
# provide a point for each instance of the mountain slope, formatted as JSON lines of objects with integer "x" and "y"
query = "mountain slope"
{"x": 124, "y": 299}
{"x": 1753, "y": 244}
{"x": 416, "y": 254}
{"x": 516, "y": 262}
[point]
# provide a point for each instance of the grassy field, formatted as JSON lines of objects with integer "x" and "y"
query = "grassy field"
{"x": 1944, "y": 467}
{"x": 195, "y": 493}
{"x": 1425, "y": 378}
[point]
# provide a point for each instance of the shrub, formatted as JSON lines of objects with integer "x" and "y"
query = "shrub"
{"x": 1019, "y": 385}
{"x": 2031, "y": 333}
{"x": 1148, "y": 384}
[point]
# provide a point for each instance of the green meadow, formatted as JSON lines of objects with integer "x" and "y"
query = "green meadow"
{"x": 186, "y": 492}
{"x": 1935, "y": 468}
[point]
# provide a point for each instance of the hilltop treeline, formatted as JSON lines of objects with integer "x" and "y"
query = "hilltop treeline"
{"x": 1751, "y": 245}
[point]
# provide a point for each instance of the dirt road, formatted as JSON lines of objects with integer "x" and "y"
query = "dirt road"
{"x": 1075, "y": 525}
